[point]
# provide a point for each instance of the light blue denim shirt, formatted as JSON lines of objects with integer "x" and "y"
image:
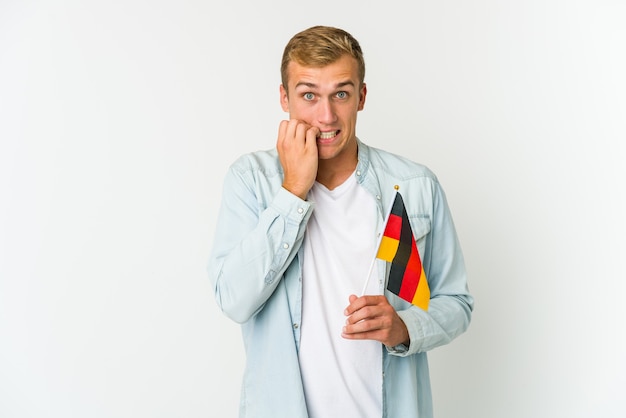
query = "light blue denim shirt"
{"x": 257, "y": 278}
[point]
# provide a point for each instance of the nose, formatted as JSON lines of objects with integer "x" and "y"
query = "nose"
{"x": 326, "y": 112}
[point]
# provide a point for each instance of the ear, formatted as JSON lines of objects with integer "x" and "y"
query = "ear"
{"x": 284, "y": 99}
{"x": 362, "y": 95}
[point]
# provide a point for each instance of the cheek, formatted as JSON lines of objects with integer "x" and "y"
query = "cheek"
{"x": 349, "y": 118}
{"x": 304, "y": 113}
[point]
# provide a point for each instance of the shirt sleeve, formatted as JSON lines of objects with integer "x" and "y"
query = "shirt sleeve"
{"x": 258, "y": 233}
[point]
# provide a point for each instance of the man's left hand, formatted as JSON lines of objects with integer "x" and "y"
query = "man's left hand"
{"x": 373, "y": 318}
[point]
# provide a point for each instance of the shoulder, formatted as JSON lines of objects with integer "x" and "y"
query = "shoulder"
{"x": 257, "y": 172}
{"x": 263, "y": 161}
{"x": 397, "y": 166}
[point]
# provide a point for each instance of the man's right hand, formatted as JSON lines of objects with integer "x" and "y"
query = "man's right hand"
{"x": 297, "y": 151}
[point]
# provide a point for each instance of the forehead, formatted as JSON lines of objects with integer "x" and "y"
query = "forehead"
{"x": 344, "y": 70}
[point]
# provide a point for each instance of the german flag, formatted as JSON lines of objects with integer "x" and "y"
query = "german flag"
{"x": 397, "y": 246}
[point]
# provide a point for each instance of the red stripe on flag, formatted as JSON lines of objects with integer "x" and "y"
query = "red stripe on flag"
{"x": 414, "y": 264}
{"x": 394, "y": 226}
{"x": 410, "y": 281}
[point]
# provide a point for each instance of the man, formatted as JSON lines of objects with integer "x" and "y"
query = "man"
{"x": 298, "y": 229}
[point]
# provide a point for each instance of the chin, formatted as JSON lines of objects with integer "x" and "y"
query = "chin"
{"x": 327, "y": 153}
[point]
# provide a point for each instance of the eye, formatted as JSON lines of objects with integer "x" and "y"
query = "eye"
{"x": 308, "y": 96}
{"x": 342, "y": 95}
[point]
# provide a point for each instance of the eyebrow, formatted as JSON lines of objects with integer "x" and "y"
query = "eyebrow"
{"x": 313, "y": 85}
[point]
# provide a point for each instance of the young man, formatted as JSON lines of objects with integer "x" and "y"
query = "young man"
{"x": 297, "y": 231}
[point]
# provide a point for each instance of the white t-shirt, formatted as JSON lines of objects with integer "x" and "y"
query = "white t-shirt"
{"x": 342, "y": 378}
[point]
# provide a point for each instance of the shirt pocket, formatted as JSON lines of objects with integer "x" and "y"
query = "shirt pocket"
{"x": 420, "y": 225}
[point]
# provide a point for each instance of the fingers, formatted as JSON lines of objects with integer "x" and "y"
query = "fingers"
{"x": 371, "y": 328}
{"x": 282, "y": 132}
{"x": 373, "y": 318}
{"x": 311, "y": 137}
{"x": 357, "y": 303}
{"x": 296, "y": 133}
{"x": 366, "y": 307}
{"x": 297, "y": 151}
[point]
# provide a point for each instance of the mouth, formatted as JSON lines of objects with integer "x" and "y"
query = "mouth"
{"x": 328, "y": 134}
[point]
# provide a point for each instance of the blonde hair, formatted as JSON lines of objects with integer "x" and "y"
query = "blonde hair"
{"x": 319, "y": 46}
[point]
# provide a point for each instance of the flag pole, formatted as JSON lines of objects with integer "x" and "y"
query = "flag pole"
{"x": 380, "y": 238}
{"x": 369, "y": 273}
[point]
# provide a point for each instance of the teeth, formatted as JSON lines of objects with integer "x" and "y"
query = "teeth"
{"x": 327, "y": 135}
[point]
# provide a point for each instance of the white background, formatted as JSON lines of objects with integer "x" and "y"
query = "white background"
{"x": 118, "y": 120}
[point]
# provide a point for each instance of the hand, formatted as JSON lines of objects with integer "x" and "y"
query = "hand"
{"x": 297, "y": 151}
{"x": 373, "y": 318}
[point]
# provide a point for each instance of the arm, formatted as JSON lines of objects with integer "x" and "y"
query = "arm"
{"x": 261, "y": 224}
{"x": 451, "y": 305}
{"x": 253, "y": 244}
{"x": 406, "y": 329}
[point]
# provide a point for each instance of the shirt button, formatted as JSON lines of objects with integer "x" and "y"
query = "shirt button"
{"x": 295, "y": 326}
{"x": 285, "y": 246}
{"x": 358, "y": 172}
{"x": 300, "y": 210}
{"x": 378, "y": 197}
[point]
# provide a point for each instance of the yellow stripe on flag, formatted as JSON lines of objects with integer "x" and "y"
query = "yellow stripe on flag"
{"x": 421, "y": 298}
{"x": 388, "y": 248}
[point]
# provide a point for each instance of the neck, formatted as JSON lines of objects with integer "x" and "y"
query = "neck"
{"x": 332, "y": 173}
